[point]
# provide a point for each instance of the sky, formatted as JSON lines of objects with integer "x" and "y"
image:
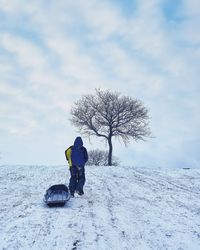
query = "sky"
{"x": 53, "y": 52}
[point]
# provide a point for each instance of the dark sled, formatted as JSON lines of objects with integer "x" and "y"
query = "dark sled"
{"x": 57, "y": 195}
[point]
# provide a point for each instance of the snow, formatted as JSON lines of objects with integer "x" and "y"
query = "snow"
{"x": 123, "y": 208}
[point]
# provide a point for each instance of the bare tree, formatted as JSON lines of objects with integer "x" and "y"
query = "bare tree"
{"x": 99, "y": 157}
{"x": 108, "y": 114}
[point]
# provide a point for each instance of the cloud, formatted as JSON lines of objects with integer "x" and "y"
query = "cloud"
{"x": 28, "y": 55}
{"x": 67, "y": 48}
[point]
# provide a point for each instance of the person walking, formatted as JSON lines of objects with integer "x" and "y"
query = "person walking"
{"x": 77, "y": 156}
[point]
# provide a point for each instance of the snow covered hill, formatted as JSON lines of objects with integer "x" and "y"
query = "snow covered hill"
{"x": 123, "y": 208}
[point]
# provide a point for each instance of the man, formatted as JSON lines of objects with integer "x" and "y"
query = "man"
{"x": 77, "y": 156}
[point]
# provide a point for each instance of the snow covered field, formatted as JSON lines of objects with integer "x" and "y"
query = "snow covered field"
{"x": 123, "y": 208}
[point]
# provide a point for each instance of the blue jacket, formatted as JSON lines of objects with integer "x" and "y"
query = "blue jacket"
{"x": 79, "y": 154}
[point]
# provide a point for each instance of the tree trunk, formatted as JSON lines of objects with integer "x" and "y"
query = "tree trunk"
{"x": 110, "y": 151}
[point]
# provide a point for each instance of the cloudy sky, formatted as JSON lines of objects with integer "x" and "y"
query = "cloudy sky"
{"x": 52, "y": 52}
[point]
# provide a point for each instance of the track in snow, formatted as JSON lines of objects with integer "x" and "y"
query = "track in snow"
{"x": 123, "y": 208}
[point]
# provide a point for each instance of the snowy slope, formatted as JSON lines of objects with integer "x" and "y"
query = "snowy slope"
{"x": 123, "y": 208}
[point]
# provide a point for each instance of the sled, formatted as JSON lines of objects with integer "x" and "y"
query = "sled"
{"x": 57, "y": 195}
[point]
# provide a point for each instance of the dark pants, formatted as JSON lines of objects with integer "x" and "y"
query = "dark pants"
{"x": 77, "y": 179}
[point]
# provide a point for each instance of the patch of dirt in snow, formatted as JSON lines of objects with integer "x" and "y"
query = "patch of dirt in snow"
{"x": 123, "y": 208}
